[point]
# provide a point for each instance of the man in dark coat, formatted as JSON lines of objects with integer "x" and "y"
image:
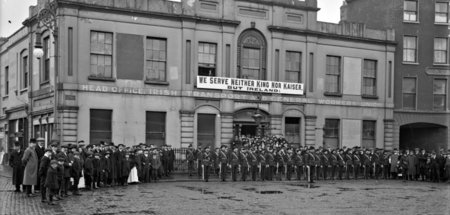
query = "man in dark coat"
{"x": 51, "y": 181}
{"x": 126, "y": 168}
{"x": 88, "y": 170}
{"x": 76, "y": 172}
{"x": 119, "y": 156}
{"x": 15, "y": 161}
{"x": 190, "y": 157}
{"x": 40, "y": 149}
{"x": 44, "y": 164}
{"x": 67, "y": 170}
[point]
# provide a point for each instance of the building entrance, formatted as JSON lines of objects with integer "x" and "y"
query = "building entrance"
{"x": 423, "y": 135}
{"x": 246, "y": 125}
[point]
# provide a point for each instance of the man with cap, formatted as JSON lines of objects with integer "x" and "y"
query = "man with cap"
{"x": 422, "y": 157}
{"x": 119, "y": 157}
{"x": 244, "y": 164}
{"x": 198, "y": 156}
{"x": 89, "y": 170}
{"x": 298, "y": 163}
{"x": 15, "y": 161}
{"x": 30, "y": 160}
{"x": 44, "y": 164}
{"x": 310, "y": 161}
{"x": 340, "y": 163}
{"x": 207, "y": 163}
{"x": 356, "y": 163}
{"x": 76, "y": 172}
{"x": 40, "y": 148}
{"x": 67, "y": 170}
{"x": 51, "y": 181}
{"x": 393, "y": 161}
{"x": 270, "y": 164}
{"x": 223, "y": 161}
{"x": 190, "y": 157}
{"x": 253, "y": 159}
{"x": 234, "y": 162}
{"x": 262, "y": 164}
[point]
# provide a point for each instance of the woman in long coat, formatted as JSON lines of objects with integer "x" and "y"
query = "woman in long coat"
{"x": 30, "y": 160}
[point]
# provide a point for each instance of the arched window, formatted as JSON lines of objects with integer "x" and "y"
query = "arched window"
{"x": 252, "y": 55}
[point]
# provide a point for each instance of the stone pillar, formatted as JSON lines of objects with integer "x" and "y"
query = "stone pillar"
{"x": 187, "y": 128}
{"x": 69, "y": 122}
{"x": 226, "y": 128}
{"x": 276, "y": 124}
{"x": 389, "y": 134}
{"x": 310, "y": 130}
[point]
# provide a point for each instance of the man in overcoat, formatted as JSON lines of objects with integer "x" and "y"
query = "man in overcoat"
{"x": 15, "y": 161}
{"x": 30, "y": 160}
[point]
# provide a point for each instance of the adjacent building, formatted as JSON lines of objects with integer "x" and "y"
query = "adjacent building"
{"x": 421, "y": 114}
{"x": 200, "y": 71}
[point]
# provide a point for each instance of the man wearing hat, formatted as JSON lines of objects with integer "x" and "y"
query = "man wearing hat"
{"x": 51, "y": 181}
{"x": 40, "y": 148}
{"x": 44, "y": 164}
{"x": 119, "y": 156}
{"x": 190, "y": 157}
{"x": 310, "y": 161}
{"x": 223, "y": 161}
{"x": 76, "y": 172}
{"x": 30, "y": 160}
{"x": 15, "y": 161}
{"x": 67, "y": 170}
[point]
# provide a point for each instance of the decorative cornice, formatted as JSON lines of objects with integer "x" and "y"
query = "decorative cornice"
{"x": 288, "y": 30}
{"x": 282, "y": 4}
{"x": 67, "y": 107}
{"x": 17, "y": 108}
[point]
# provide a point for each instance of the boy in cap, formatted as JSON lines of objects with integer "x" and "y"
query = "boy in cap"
{"x": 51, "y": 181}
{"x": 88, "y": 170}
{"x": 76, "y": 172}
{"x": 43, "y": 168}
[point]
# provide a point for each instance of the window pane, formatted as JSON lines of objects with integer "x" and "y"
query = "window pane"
{"x": 409, "y": 101}
{"x": 101, "y": 54}
{"x": 409, "y": 85}
{"x": 410, "y": 5}
{"x": 156, "y": 59}
{"x": 155, "y": 128}
{"x": 439, "y": 86}
{"x": 100, "y": 125}
{"x": 369, "y": 129}
{"x": 439, "y": 102}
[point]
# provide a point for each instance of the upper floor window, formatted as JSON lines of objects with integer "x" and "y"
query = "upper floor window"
{"x": 45, "y": 76}
{"x": 252, "y": 55}
{"x": 439, "y": 94}
{"x": 333, "y": 74}
{"x": 409, "y": 92}
{"x": 410, "y": 10}
{"x": 156, "y": 59}
{"x": 24, "y": 71}
{"x": 101, "y": 54}
{"x": 410, "y": 49}
{"x": 440, "y": 50}
{"x": 293, "y": 66}
{"x": 370, "y": 78}
{"x": 441, "y": 12}
{"x": 207, "y": 59}
{"x": 6, "y": 80}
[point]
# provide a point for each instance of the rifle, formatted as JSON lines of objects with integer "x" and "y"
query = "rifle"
{"x": 308, "y": 168}
{"x": 277, "y": 169}
{"x": 260, "y": 166}
{"x": 203, "y": 172}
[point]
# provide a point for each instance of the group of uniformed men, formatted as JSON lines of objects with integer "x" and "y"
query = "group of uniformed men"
{"x": 272, "y": 158}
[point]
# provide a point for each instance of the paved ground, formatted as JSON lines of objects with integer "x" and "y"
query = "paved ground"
{"x": 193, "y": 197}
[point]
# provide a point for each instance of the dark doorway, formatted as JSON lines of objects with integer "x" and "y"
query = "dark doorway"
{"x": 248, "y": 130}
{"x": 423, "y": 135}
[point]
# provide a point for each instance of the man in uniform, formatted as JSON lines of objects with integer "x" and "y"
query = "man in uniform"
{"x": 289, "y": 159}
{"x": 244, "y": 164}
{"x": 367, "y": 163}
{"x": 262, "y": 164}
{"x": 299, "y": 163}
{"x": 310, "y": 161}
{"x": 207, "y": 163}
{"x": 349, "y": 165}
{"x": 334, "y": 164}
{"x": 190, "y": 157}
{"x": 223, "y": 162}
{"x": 325, "y": 164}
{"x": 270, "y": 164}
{"x": 253, "y": 160}
{"x": 198, "y": 155}
{"x": 356, "y": 164}
{"x": 234, "y": 162}
{"x": 67, "y": 169}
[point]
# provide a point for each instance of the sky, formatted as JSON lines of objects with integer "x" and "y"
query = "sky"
{"x": 14, "y": 12}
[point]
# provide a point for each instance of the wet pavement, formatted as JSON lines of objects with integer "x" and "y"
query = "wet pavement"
{"x": 285, "y": 197}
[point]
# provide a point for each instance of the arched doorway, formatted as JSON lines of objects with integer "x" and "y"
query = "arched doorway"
{"x": 251, "y": 55}
{"x": 245, "y": 125}
{"x": 423, "y": 135}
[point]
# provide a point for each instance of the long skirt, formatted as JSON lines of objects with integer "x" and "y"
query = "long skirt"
{"x": 133, "y": 177}
{"x": 82, "y": 183}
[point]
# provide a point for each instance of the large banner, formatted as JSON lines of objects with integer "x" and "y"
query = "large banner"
{"x": 237, "y": 84}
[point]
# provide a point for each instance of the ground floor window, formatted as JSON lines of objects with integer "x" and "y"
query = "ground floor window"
{"x": 155, "y": 128}
{"x": 206, "y": 129}
{"x": 17, "y": 131}
{"x": 368, "y": 135}
{"x": 331, "y": 133}
{"x": 44, "y": 130}
{"x": 292, "y": 129}
{"x": 100, "y": 126}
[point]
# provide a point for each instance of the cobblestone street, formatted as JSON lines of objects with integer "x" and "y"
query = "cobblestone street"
{"x": 286, "y": 197}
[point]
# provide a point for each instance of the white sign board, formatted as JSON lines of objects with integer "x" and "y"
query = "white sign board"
{"x": 249, "y": 85}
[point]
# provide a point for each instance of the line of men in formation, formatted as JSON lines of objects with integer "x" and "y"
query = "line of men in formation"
{"x": 271, "y": 158}
{"x": 58, "y": 169}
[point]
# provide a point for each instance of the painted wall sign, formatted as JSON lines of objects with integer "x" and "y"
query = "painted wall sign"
{"x": 249, "y": 85}
{"x": 227, "y": 95}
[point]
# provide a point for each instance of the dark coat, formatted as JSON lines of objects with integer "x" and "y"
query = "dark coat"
{"x": 76, "y": 168}
{"x": 67, "y": 167}
{"x": 31, "y": 166}
{"x": 15, "y": 161}
{"x": 43, "y": 166}
{"x": 51, "y": 181}
{"x": 126, "y": 166}
{"x": 119, "y": 156}
{"x": 89, "y": 167}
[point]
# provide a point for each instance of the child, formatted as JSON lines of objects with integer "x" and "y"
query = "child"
{"x": 76, "y": 172}
{"x": 60, "y": 174}
{"x": 51, "y": 181}
{"x": 97, "y": 170}
{"x": 156, "y": 164}
{"x": 43, "y": 168}
{"x": 126, "y": 168}
{"x": 88, "y": 171}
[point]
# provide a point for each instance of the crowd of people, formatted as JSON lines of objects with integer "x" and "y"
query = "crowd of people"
{"x": 60, "y": 170}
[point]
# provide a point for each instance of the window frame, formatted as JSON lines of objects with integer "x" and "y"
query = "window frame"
{"x": 409, "y": 93}
{"x": 45, "y": 73}
{"x": 365, "y": 138}
{"x": 416, "y": 49}
{"x": 444, "y": 95}
{"x": 286, "y": 70}
{"x": 416, "y": 11}
{"x": 24, "y": 70}
{"x": 445, "y": 51}
{"x": 92, "y": 53}
{"x": 338, "y": 91}
{"x": 446, "y": 13}
{"x": 148, "y": 131}
{"x": 374, "y": 79}
{"x": 6, "y": 81}
{"x": 91, "y": 131}
{"x": 338, "y": 132}
{"x": 207, "y": 65}
{"x": 147, "y": 60}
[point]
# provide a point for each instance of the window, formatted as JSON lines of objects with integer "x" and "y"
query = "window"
{"x": 101, "y": 54}
{"x": 331, "y": 133}
{"x": 292, "y": 129}
{"x": 207, "y": 59}
{"x": 369, "y": 134}
{"x": 156, "y": 60}
{"x": 100, "y": 126}
{"x": 440, "y": 50}
{"x": 410, "y": 11}
{"x": 370, "y": 78}
{"x": 24, "y": 68}
{"x": 409, "y": 93}
{"x": 439, "y": 94}
{"x": 46, "y": 71}
{"x": 293, "y": 66}
{"x": 252, "y": 55}
{"x": 206, "y": 129}
{"x": 441, "y": 12}
{"x": 6, "y": 80}
{"x": 409, "y": 49}
{"x": 333, "y": 75}
{"x": 155, "y": 128}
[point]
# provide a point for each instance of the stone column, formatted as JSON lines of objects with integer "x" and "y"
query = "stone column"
{"x": 226, "y": 128}
{"x": 310, "y": 130}
{"x": 389, "y": 134}
{"x": 69, "y": 120}
{"x": 276, "y": 124}
{"x": 187, "y": 128}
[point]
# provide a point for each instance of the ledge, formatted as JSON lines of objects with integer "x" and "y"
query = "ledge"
{"x": 369, "y": 96}
{"x": 44, "y": 83}
{"x": 410, "y": 63}
{"x": 165, "y": 83}
{"x": 22, "y": 91}
{"x": 332, "y": 94}
{"x": 95, "y": 78}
